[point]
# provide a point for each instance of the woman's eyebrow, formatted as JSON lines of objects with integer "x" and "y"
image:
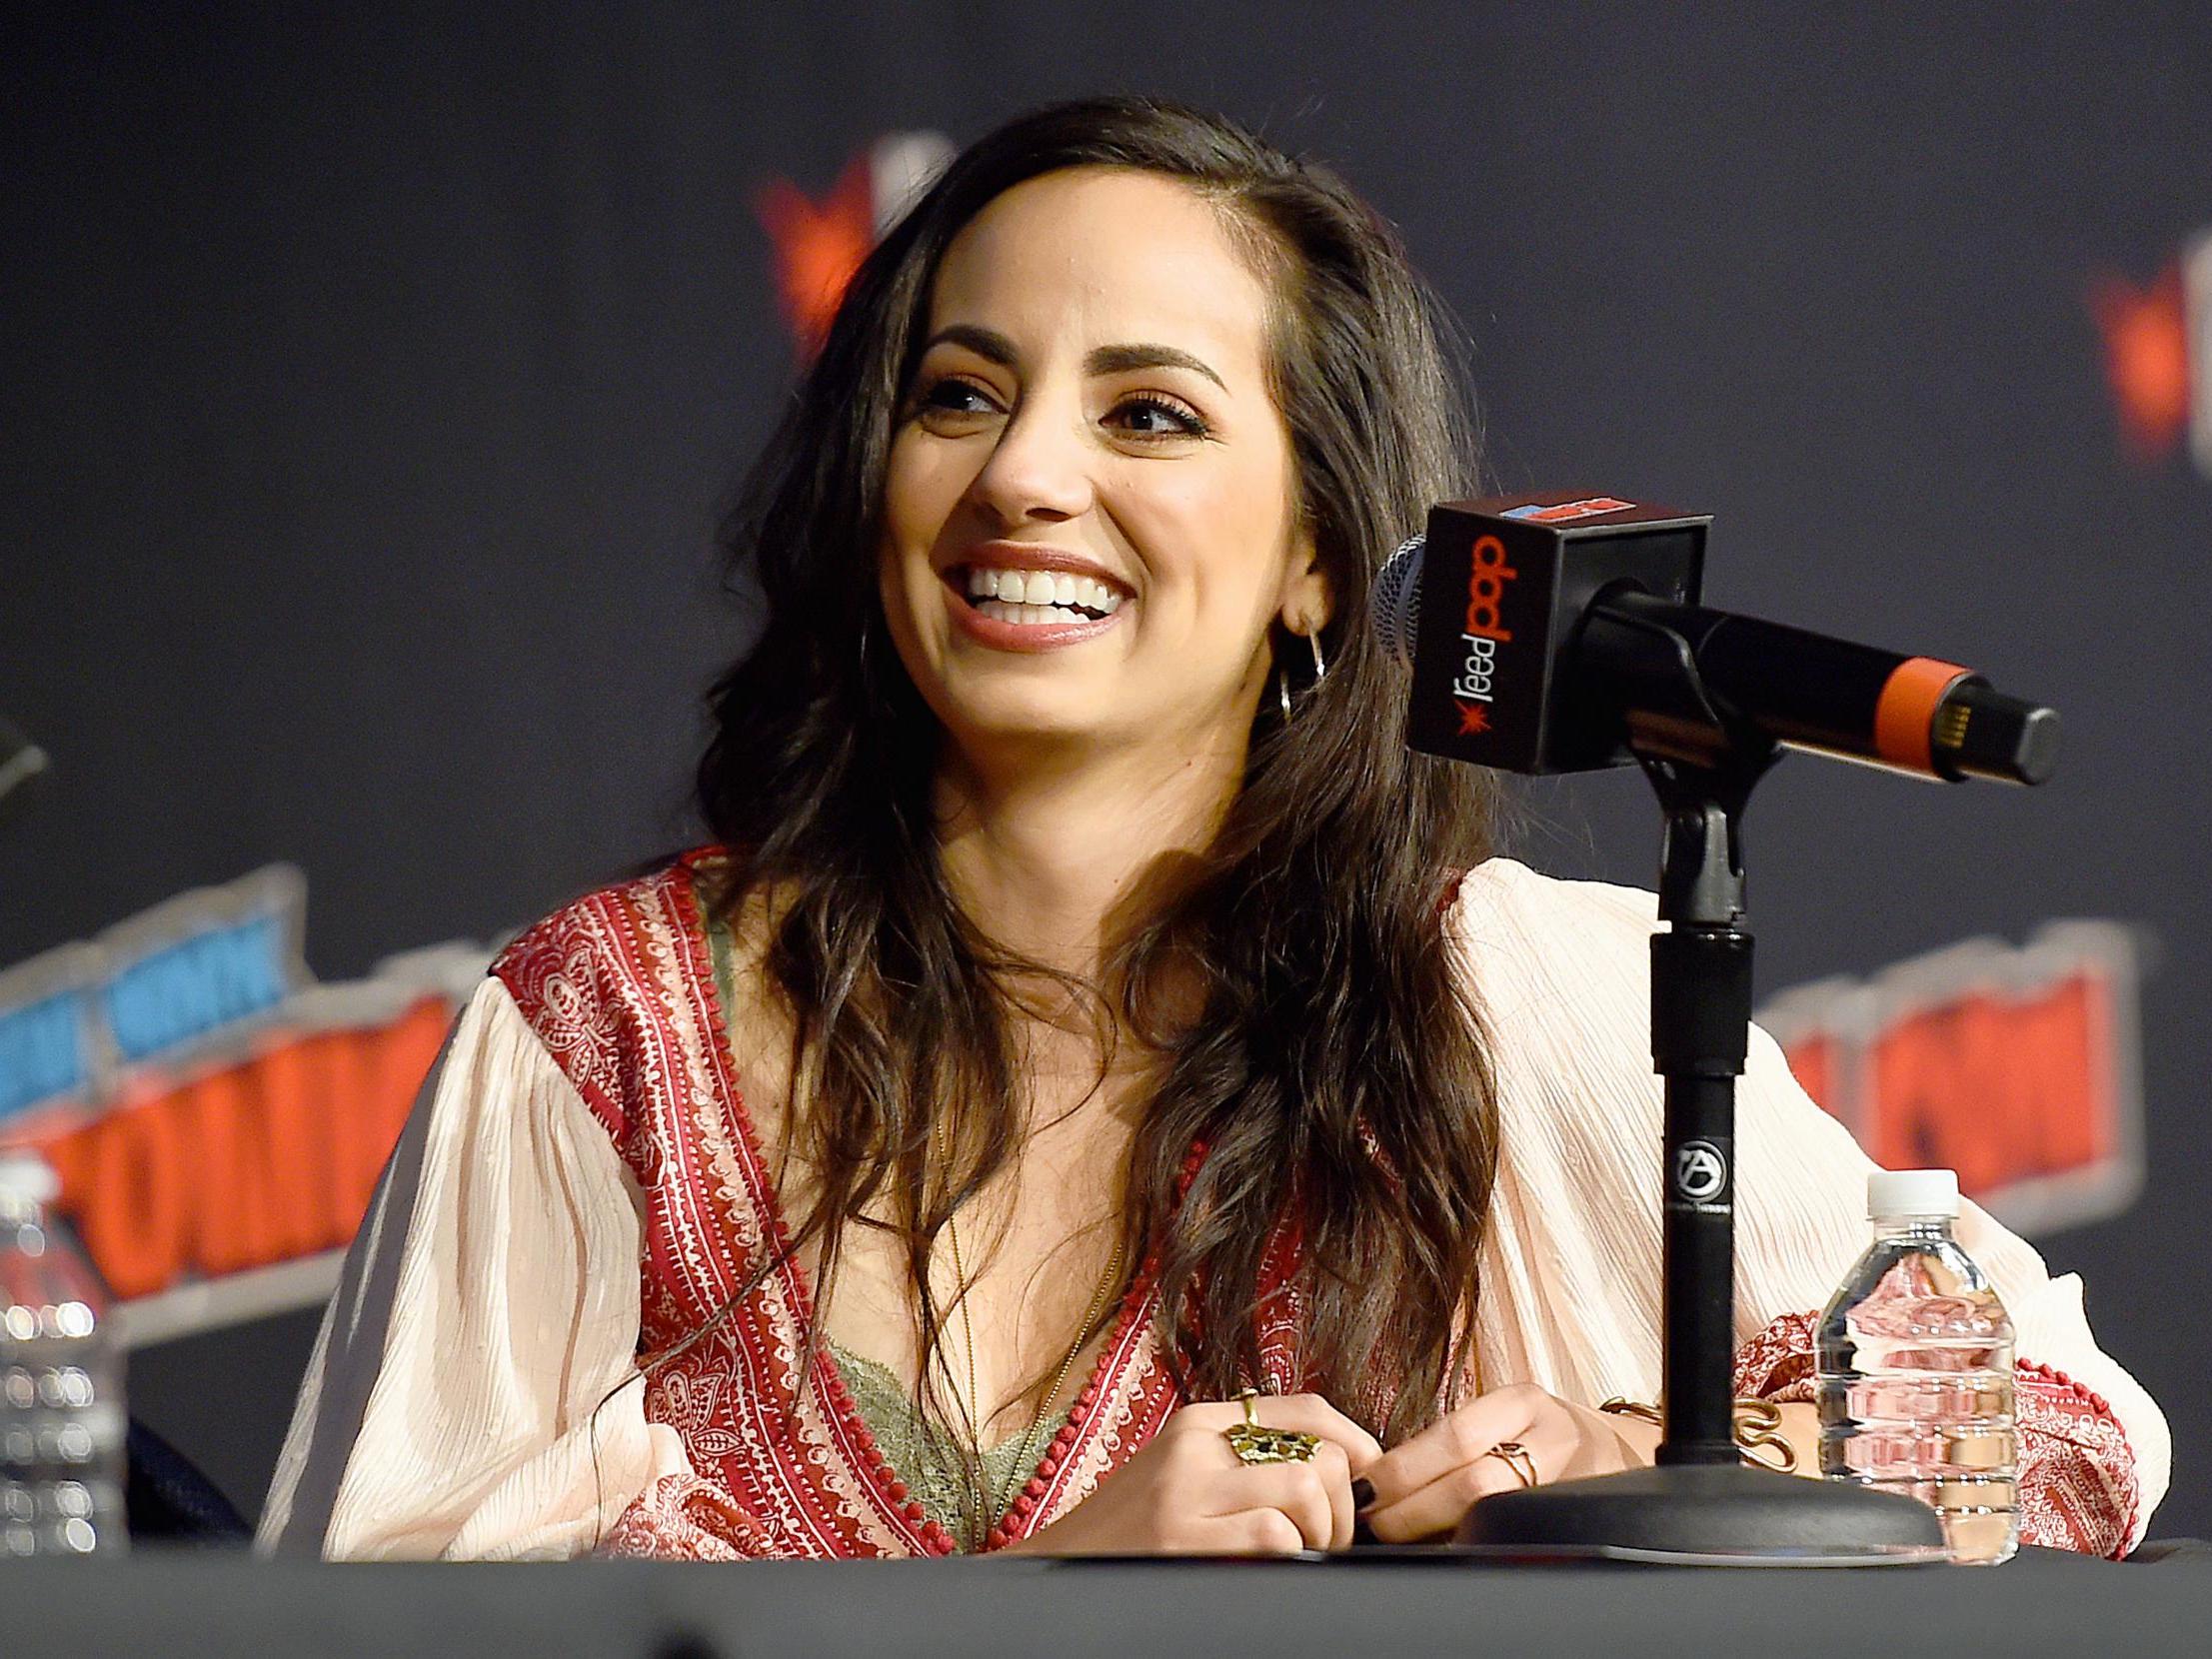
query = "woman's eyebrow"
{"x": 993, "y": 346}
{"x": 1115, "y": 360}
{"x": 988, "y": 344}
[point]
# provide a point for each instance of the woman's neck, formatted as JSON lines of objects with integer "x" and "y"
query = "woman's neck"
{"x": 1057, "y": 862}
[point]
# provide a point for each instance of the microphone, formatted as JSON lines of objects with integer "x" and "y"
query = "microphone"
{"x": 1552, "y": 636}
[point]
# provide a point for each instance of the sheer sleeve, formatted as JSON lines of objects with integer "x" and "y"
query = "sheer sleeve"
{"x": 1561, "y": 972}
{"x": 472, "y": 1392}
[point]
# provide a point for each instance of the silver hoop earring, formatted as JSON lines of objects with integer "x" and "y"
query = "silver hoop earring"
{"x": 1283, "y": 692}
{"x": 1321, "y": 666}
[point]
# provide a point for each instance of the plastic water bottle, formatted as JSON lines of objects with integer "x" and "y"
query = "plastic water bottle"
{"x": 1916, "y": 1371}
{"x": 62, "y": 1423}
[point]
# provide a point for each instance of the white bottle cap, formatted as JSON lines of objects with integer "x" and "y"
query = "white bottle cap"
{"x": 1902, "y": 1192}
{"x": 25, "y": 1174}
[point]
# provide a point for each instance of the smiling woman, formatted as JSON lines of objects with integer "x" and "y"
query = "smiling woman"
{"x": 1110, "y": 423}
{"x": 1091, "y": 1011}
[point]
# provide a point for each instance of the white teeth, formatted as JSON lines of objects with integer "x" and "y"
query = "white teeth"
{"x": 1038, "y": 590}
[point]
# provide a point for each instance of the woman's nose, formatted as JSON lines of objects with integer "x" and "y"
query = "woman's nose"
{"x": 1038, "y": 469}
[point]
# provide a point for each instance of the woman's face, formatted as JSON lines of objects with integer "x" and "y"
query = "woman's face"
{"x": 1090, "y": 507}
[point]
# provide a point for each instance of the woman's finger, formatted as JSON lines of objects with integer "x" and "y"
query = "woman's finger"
{"x": 1260, "y": 1532}
{"x": 1335, "y": 1472}
{"x": 1440, "y": 1507}
{"x": 1298, "y": 1492}
{"x": 1437, "y": 1508}
{"x": 1455, "y": 1441}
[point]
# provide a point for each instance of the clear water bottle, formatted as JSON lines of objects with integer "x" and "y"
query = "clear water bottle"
{"x": 1916, "y": 1371}
{"x": 61, "y": 1383}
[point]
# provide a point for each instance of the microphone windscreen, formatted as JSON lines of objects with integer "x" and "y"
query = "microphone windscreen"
{"x": 1396, "y": 605}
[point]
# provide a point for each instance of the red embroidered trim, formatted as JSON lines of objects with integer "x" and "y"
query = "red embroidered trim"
{"x": 2078, "y": 1487}
{"x": 757, "y": 1209}
{"x": 1053, "y": 1486}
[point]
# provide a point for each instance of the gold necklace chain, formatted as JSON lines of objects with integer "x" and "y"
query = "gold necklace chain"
{"x": 1024, "y": 1463}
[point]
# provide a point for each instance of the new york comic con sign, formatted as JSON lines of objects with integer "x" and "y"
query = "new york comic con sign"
{"x": 219, "y": 1119}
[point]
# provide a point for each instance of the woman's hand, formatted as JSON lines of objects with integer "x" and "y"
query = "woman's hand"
{"x": 1424, "y": 1485}
{"x": 1186, "y": 1492}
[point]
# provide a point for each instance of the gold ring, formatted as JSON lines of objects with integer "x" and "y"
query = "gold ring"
{"x": 1253, "y": 1442}
{"x": 1515, "y": 1457}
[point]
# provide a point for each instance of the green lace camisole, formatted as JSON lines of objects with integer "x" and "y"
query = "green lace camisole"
{"x": 924, "y": 1460}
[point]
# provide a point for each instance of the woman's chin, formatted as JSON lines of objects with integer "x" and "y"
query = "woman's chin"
{"x": 1015, "y": 725}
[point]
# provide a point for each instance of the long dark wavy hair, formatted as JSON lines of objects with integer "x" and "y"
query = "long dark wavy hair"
{"x": 1333, "y": 1069}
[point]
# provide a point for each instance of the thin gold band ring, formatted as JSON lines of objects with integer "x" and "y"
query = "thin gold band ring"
{"x": 1515, "y": 1457}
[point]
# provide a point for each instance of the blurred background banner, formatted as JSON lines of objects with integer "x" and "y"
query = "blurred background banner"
{"x": 376, "y": 379}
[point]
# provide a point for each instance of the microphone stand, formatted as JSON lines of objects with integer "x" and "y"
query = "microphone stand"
{"x": 1701, "y": 1498}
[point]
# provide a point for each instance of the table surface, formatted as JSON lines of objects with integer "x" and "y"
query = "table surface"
{"x": 187, "y": 1605}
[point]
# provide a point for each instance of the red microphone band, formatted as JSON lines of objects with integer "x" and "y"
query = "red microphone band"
{"x": 1904, "y": 716}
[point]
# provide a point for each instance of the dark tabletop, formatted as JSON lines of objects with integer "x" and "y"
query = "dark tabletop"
{"x": 188, "y": 1605}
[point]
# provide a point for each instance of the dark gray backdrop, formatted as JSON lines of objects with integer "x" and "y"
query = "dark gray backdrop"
{"x": 373, "y": 380}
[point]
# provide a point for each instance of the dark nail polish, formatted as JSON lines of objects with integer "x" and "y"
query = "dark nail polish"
{"x": 1362, "y": 1493}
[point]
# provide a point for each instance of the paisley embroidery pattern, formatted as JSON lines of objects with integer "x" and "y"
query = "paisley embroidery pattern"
{"x": 2078, "y": 1484}
{"x": 1777, "y": 1364}
{"x": 684, "y": 1518}
{"x": 552, "y": 973}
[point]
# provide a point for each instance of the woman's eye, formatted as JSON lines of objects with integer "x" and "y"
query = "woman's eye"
{"x": 1155, "y": 417}
{"x": 952, "y": 397}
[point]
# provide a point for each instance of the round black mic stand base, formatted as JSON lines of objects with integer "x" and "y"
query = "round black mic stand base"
{"x": 1716, "y": 1511}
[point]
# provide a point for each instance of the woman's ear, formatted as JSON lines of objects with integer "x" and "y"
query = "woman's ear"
{"x": 1308, "y": 602}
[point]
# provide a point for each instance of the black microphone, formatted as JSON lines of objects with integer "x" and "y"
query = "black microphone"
{"x": 1550, "y": 635}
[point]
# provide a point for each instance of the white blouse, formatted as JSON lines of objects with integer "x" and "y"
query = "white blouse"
{"x": 472, "y": 1391}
